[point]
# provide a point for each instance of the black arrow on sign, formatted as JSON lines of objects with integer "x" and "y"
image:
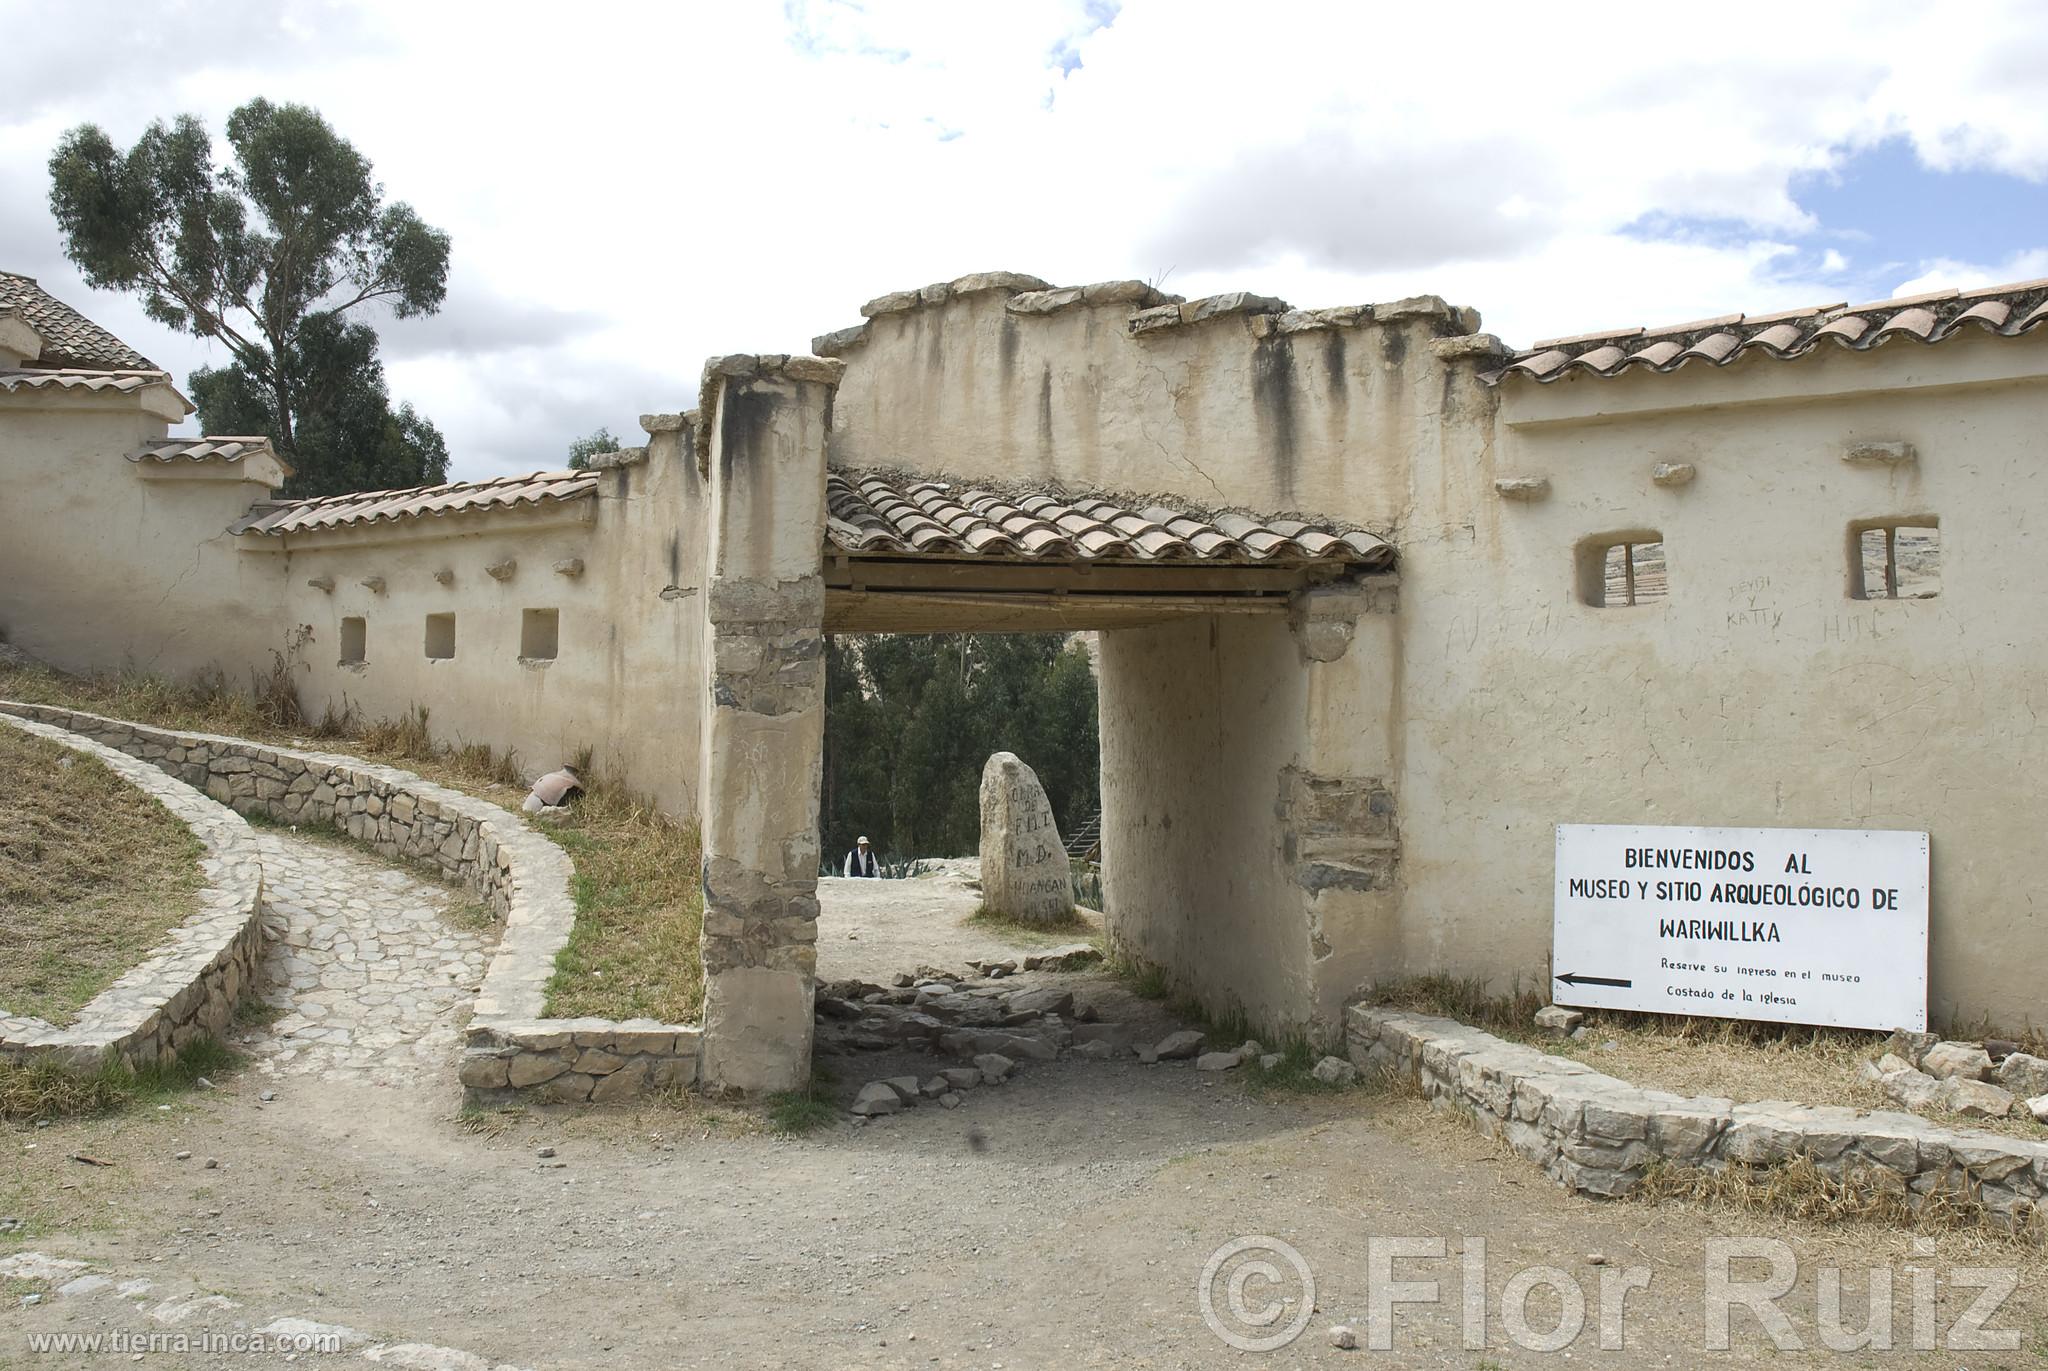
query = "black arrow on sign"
{"x": 1574, "y": 978}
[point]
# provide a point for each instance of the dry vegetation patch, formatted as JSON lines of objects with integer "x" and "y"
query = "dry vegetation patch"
{"x": 634, "y": 950}
{"x": 1732, "y": 1058}
{"x": 93, "y": 874}
{"x": 633, "y": 953}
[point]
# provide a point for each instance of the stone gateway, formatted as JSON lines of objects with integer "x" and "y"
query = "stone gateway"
{"x": 1023, "y": 864}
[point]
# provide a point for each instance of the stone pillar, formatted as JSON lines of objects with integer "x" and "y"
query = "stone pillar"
{"x": 1341, "y": 832}
{"x": 764, "y": 730}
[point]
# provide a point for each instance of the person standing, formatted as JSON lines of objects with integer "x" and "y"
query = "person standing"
{"x": 861, "y": 861}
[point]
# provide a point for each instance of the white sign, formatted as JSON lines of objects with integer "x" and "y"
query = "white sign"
{"x": 1790, "y": 925}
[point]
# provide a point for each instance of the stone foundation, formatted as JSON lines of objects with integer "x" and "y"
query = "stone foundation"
{"x": 187, "y": 989}
{"x": 523, "y": 876}
{"x": 1598, "y": 1135}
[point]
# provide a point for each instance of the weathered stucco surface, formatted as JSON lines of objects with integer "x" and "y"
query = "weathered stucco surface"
{"x": 622, "y": 571}
{"x": 1759, "y": 693}
{"x": 108, "y": 564}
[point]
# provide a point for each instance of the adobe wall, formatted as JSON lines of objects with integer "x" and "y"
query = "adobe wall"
{"x": 107, "y": 564}
{"x": 1759, "y": 693}
{"x": 623, "y": 572}
{"x": 1250, "y": 825}
{"x": 1251, "y": 848}
{"x": 1233, "y": 402}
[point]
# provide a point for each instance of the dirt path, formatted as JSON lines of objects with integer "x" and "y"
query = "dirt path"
{"x": 869, "y": 930}
{"x": 1062, "y": 1219}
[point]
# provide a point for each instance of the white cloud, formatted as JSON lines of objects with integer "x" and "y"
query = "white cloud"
{"x": 631, "y": 189}
{"x": 1947, "y": 274}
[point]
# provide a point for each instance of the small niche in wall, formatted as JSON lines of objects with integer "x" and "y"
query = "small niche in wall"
{"x": 539, "y": 634}
{"x": 1895, "y": 559}
{"x": 440, "y": 637}
{"x": 1617, "y": 570}
{"x": 354, "y": 641}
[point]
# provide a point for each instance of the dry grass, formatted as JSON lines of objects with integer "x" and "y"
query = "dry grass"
{"x": 42, "y": 1091}
{"x": 634, "y": 950}
{"x": 1734, "y": 1058}
{"x": 93, "y": 874}
{"x": 633, "y": 953}
{"x": 1872, "y": 1197}
{"x": 1468, "y": 999}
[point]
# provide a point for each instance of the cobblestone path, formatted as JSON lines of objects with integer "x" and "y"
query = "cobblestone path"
{"x": 373, "y": 977}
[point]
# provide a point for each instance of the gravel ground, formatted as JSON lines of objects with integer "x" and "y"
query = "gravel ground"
{"x": 1062, "y": 1219}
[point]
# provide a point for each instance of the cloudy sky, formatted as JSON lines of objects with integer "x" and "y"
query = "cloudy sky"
{"x": 633, "y": 188}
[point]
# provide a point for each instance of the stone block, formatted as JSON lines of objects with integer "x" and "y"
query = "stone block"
{"x": 1620, "y": 1117}
{"x": 876, "y": 1098}
{"x": 1523, "y": 489}
{"x": 571, "y": 1087}
{"x": 2024, "y": 1074}
{"x": 1913, "y": 1089}
{"x": 1154, "y": 320}
{"x": 1180, "y": 1046}
{"x": 1957, "y": 1061}
{"x": 624, "y": 1083}
{"x": 1024, "y": 869}
{"x": 1976, "y": 1099}
{"x": 1558, "y": 1021}
{"x": 534, "y": 1068}
{"x": 595, "y": 1061}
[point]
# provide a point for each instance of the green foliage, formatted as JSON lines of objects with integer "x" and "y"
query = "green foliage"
{"x": 266, "y": 256}
{"x": 910, "y": 719}
{"x": 805, "y": 1109}
{"x": 1293, "y": 1073}
{"x": 585, "y": 448}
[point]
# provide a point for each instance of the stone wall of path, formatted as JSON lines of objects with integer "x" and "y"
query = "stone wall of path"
{"x": 187, "y": 988}
{"x": 1600, "y": 1135}
{"x": 510, "y": 1048}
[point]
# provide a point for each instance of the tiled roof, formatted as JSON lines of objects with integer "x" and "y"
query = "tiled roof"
{"x": 114, "y": 382}
{"x": 69, "y": 338}
{"x": 201, "y": 449}
{"x": 459, "y": 497}
{"x": 872, "y": 512}
{"x": 2003, "y": 310}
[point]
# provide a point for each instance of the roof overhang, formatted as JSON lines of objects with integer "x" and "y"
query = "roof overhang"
{"x": 251, "y": 459}
{"x": 62, "y": 388}
{"x": 474, "y": 523}
{"x": 912, "y": 554}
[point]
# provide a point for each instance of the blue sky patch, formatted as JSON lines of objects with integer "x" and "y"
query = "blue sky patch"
{"x": 1889, "y": 216}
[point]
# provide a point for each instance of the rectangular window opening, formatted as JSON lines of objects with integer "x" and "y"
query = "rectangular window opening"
{"x": 539, "y": 634}
{"x": 1895, "y": 559}
{"x": 1623, "y": 569}
{"x": 440, "y": 637}
{"x": 354, "y": 638}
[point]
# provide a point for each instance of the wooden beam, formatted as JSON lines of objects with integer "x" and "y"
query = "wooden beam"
{"x": 1166, "y": 578}
{"x": 901, "y": 611}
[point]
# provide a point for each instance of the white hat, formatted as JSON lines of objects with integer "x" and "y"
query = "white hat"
{"x": 862, "y": 841}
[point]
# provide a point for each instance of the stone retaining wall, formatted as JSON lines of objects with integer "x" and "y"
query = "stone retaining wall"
{"x": 188, "y": 987}
{"x": 523, "y": 876}
{"x": 1599, "y": 1135}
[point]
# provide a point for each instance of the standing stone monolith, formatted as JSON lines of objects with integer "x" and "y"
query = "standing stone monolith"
{"x": 1024, "y": 872}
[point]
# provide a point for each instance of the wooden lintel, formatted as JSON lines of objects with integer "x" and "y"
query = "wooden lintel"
{"x": 907, "y": 611}
{"x": 977, "y": 575}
